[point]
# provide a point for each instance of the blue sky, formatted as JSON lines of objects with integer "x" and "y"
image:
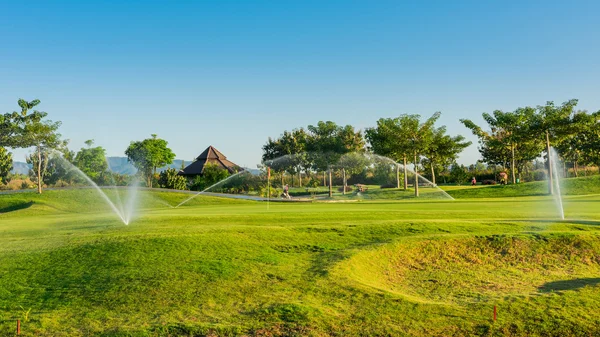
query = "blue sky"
{"x": 232, "y": 73}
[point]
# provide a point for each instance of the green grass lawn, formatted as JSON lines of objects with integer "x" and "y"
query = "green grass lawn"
{"x": 224, "y": 267}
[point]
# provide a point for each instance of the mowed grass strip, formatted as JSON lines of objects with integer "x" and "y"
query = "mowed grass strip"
{"x": 228, "y": 267}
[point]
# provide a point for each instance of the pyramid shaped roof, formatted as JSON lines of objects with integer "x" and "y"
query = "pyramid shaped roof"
{"x": 211, "y": 153}
{"x": 209, "y": 156}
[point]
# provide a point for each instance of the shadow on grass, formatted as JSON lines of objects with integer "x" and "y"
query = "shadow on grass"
{"x": 555, "y": 221}
{"x": 568, "y": 284}
{"x": 16, "y": 207}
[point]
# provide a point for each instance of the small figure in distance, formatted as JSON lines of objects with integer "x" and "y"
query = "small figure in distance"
{"x": 286, "y": 193}
{"x": 473, "y": 182}
{"x": 503, "y": 178}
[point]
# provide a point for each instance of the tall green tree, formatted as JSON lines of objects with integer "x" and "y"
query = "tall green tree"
{"x": 43, "y": 135}
{"x": 351, "y": 163}
{"x": 420, "y": 136}
{"x": 148, "y": 155}
{"x": 287, "y": 153}
{"x": 553, "y": 124}
{"x": 580, "y": 144}
{"x": 510, "y": 138}
{"x": 12, "y": 125}
{"x": 292, "y": 151}
{"x": 591, "y": 154}
{"x": 92, "y": 160}
{"x": 443, "y": 150}
{"x": 389, "y": 139}
{"x": 27, "y": 128}
{"x": 327, "y": 142}
{"x": 6, "y": 164}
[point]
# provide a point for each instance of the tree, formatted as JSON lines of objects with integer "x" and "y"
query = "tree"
{"x": 327, "y": 142}
{"x": 170, "y": 179}
{"x": 591, "y": 154}
{"x": 148, "y": 155}
{"x": 389, "y": 139}
{"x": 443, "y": 150}
{"x": 553, "y": 124}
{"x": 12, "y": 125}
{"x": 57, "y": 171}
{"x": 92, "y": 160}
{"x": 43, "y": 136}
{"x": 580, "y": 145}
{"x": 510, "y": 139}
{"x": 459, "y": 174}
{"x": 351, "y": 163}
{"x": 6, "y": 162}
{"x": 420, "y": 136}
{"x": 287, "y": 153}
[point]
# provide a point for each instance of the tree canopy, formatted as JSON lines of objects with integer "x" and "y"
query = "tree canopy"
{"x": 148, "y": 155}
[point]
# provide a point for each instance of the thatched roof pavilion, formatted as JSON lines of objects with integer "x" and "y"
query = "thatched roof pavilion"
{"x": 209, "y": 156}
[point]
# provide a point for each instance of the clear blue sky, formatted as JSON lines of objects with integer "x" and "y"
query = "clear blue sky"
{"x": 232, "y": 73}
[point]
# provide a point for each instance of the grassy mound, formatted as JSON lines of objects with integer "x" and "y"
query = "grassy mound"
{"x": 481, "y": 268}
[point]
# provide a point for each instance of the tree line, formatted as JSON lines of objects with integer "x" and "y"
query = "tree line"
{"x": 515, "y": 138}
{"x": 511, "y": 140}
{"x": 53, "y": 163}
{"x": 327, "y": 146}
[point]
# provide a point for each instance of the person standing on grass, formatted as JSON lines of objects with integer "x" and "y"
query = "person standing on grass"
{"x": 473, "y": 181}
{"x": 286, "y": 190}
{"x": 503, "y": 178}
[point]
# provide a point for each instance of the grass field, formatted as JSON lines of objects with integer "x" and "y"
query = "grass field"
{"x": 68, "y": 267}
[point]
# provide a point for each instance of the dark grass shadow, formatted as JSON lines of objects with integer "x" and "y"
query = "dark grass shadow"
{"x": 16, "y": 207}
{"x": 573, "y": 284}
{"x": 556, "y": 221}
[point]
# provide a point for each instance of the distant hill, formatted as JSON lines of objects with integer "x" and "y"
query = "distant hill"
{"x": 20, "y": 167}
{"x": 116, "y": 164}
{"x": 122, "y": 166}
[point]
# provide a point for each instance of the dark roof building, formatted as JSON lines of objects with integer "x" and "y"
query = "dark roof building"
{"x": 210, "y": 156}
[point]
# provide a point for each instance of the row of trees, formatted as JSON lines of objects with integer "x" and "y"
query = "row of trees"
{"x": 515, "y": 138}
{"x": 510, "y": 139}
{"x": 327, "y": 146}
{"x": 317, "y": 148}
{"x": 31, "y": 128}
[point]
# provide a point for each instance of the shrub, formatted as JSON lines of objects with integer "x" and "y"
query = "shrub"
{"x": 348, "y": 189}
{"x": 61, "y": 183}
{"x": 275, "y": 193}
{"x": 388, "y": 186}
{"x": 488, "y": 182}
{"x": 170, "y": 179}
{"x": 313, "y": 183}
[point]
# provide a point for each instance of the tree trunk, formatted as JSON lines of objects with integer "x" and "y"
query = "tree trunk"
{"x": 39, "y": 170}
{"x": 344, "y": 179}
{"x": 324, "y": 177}
{"x": 299, "y": 178}
{"x": 282, "y": 181}
{"x": 433, "y": 175}
{"x": 405, "y": 174}
{"x": 292, "y": 185}
{"x": 330, "y": 187}
{"x": 512, "y": 164}
{"x": 550, "y": 177}
{"x": 564, "y": 169}
{"x": 575, "y": 169}
{"x": 397, "y": 176}
{"x": 416, "y": 178}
